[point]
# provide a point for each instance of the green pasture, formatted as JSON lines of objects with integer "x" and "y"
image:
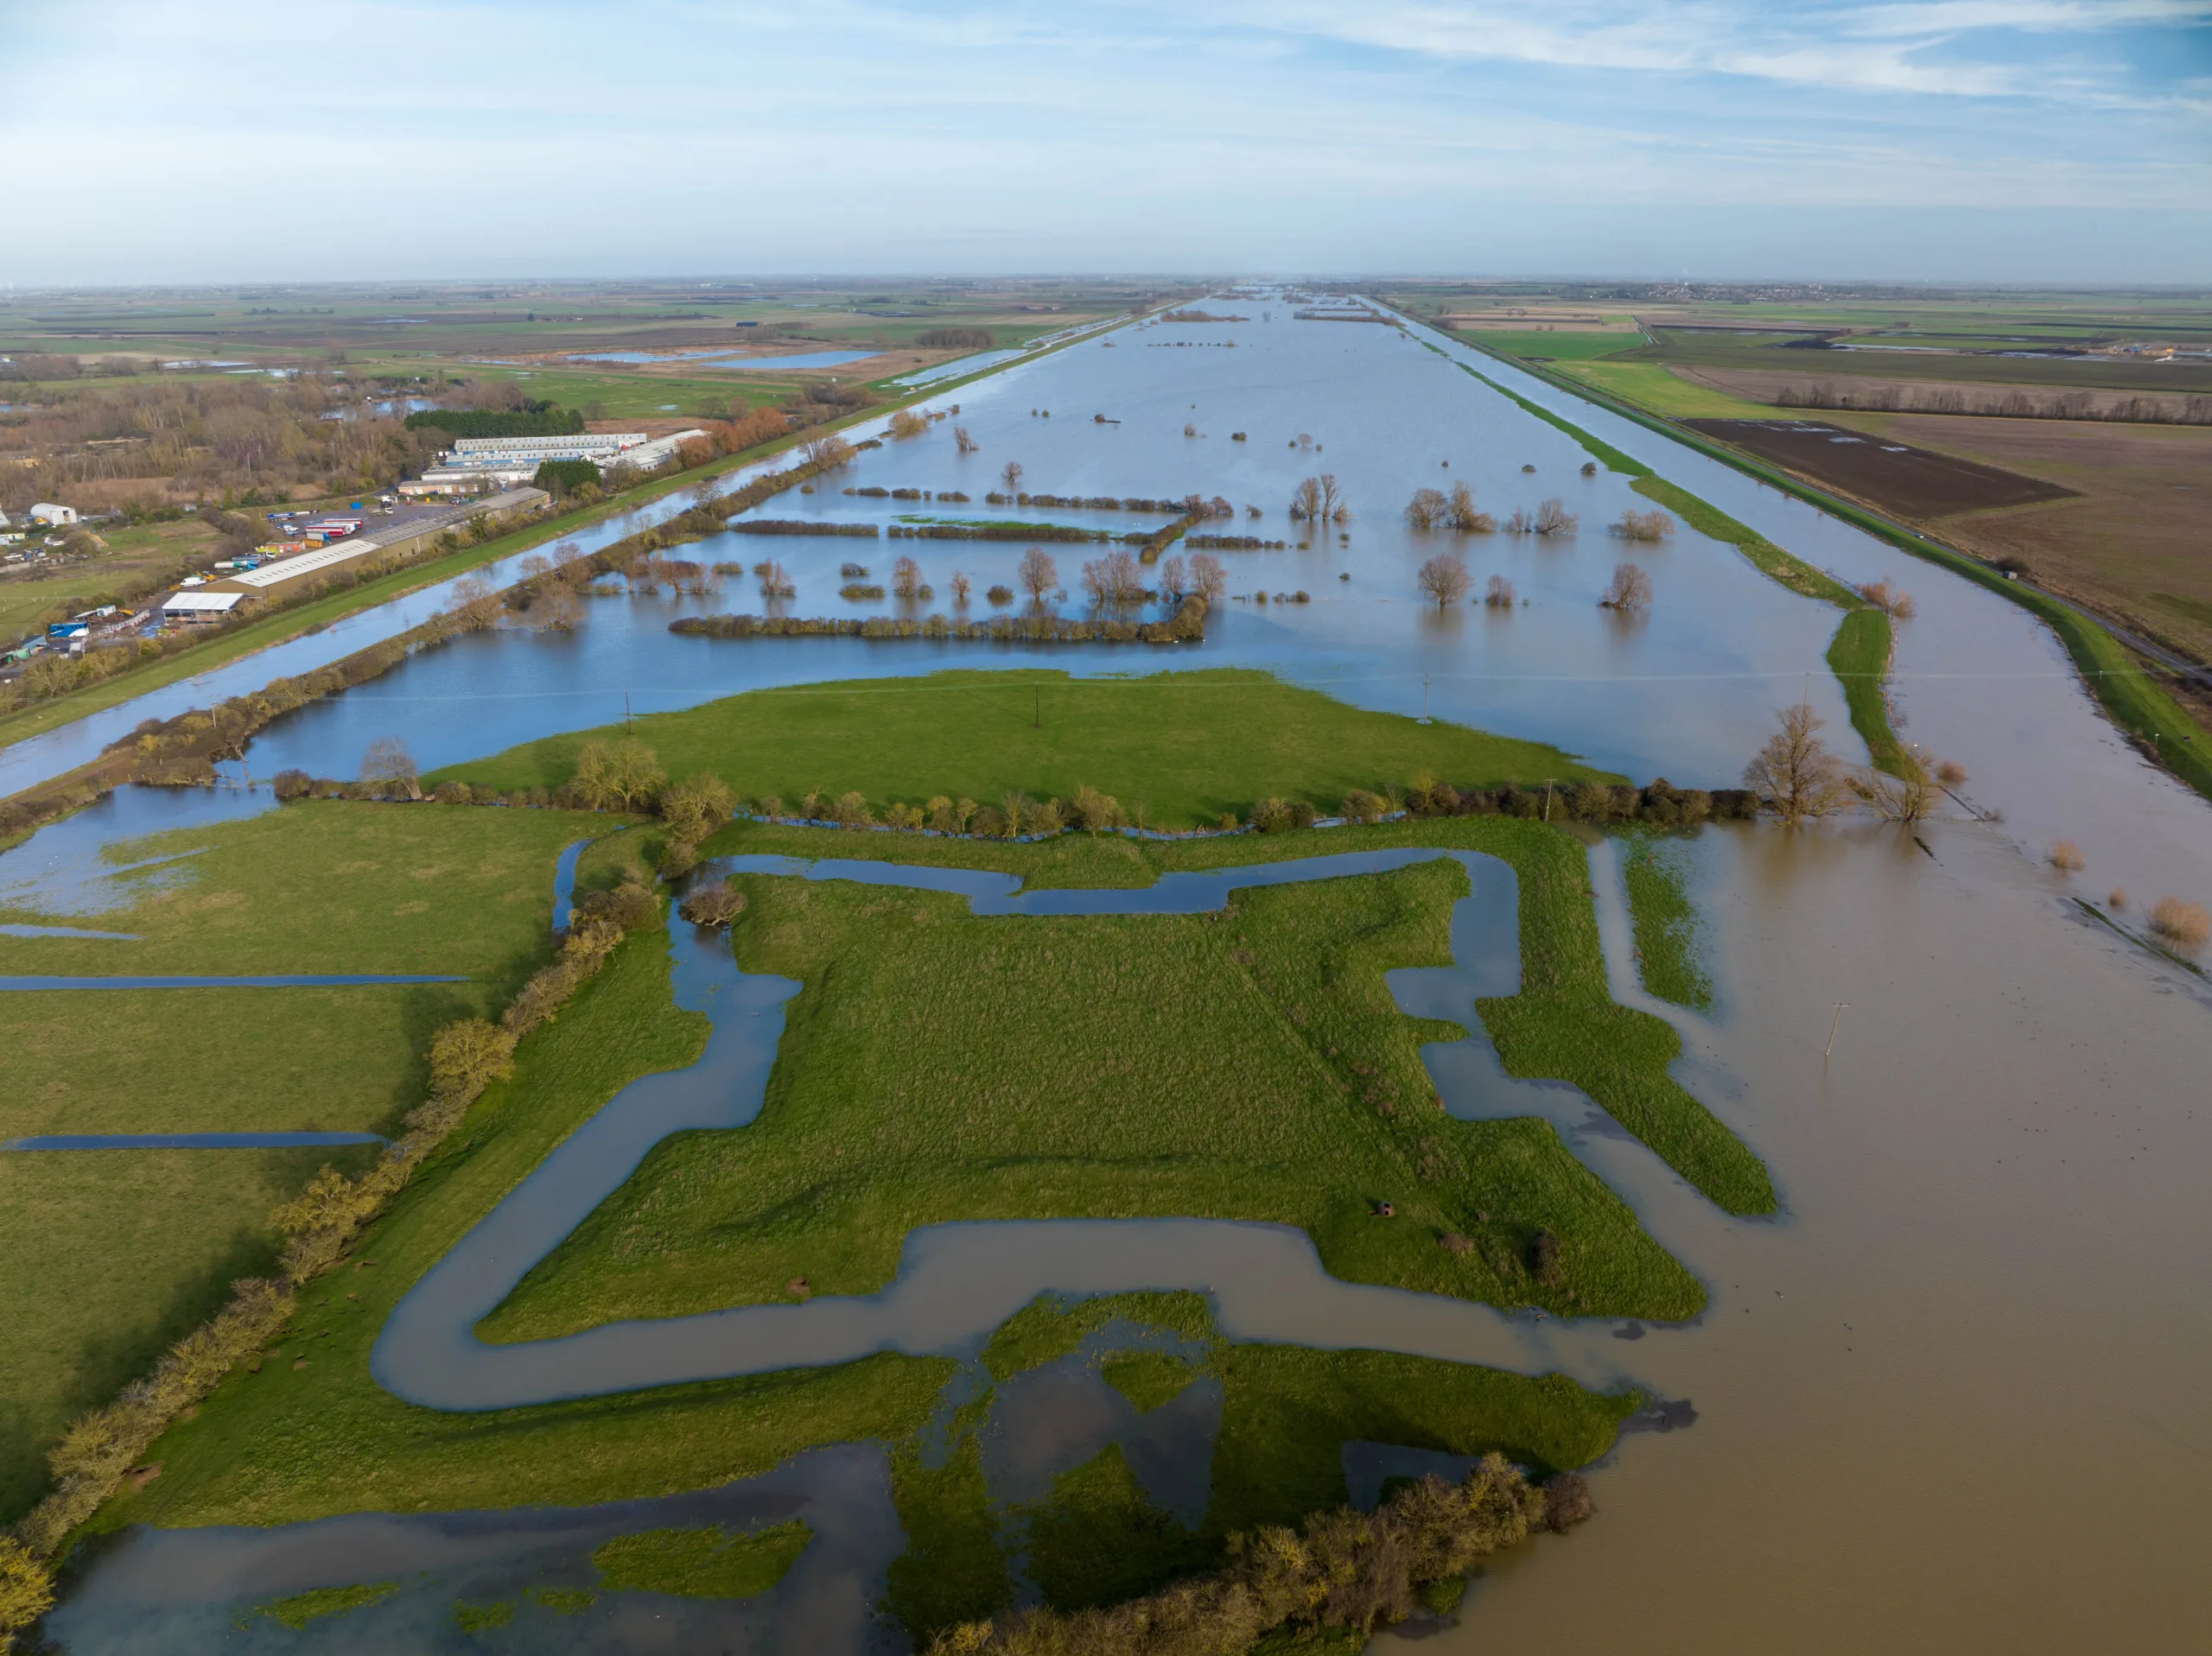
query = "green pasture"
{"x": 1187, "y": 747}
{"x": 1652, "y": 385}
{"x": 1564, "y": 344}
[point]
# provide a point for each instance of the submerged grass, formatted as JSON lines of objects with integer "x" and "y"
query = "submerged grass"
{"x": 1657, "y": 873}
{"x": 301, "y": 1609}
{"x": 712, "y": 1562}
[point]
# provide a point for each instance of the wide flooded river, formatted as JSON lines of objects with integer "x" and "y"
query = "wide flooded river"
{"x": 1950, "y": 1399}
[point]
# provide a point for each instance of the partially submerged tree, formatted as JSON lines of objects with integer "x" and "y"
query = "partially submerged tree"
{"x": 827, "y": 453}
{"x": 1208, "y": 578}
{"x": 1010, "y": 474}
{"x": 1500, "y": 595}
{"x": 1553, "y": 518}
{"x": 774, "y": 581}
{"x": 1428, "y": 509}
{"x": 962, "y": 586}
{"x": 963, "y": 441}
{"x": 1444, "y": 579}
{"x": 1114, "y": 581}
{"x": 1174, "y": 579}
{"x": 1795, "y": 775}
{"x": 1306, "y": 500}
{"x": 1461, "y": 514}
{"x": 1037, "y": 573}
{"x": 1648, "y": 526}
{"x": 1630, "y": 589}
{"x": 1333, "y": 509}
{"x": 906, "y": 578}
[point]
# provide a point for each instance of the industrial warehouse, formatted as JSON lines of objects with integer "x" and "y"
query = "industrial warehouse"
{"x": 476, "y": 464}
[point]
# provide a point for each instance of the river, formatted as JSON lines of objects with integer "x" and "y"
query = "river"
{"x": 1949, "y": 1400}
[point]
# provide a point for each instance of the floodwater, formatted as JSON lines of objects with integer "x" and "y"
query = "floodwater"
{"x": 1949, "y": 1401}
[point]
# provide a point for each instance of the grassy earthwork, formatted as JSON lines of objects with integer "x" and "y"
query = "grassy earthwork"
{"x": 1185, "y": 746}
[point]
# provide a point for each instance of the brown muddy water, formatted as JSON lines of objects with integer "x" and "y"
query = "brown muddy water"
{"x": 1954, "y": 1400}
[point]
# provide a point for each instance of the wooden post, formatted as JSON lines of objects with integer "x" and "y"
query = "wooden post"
{"x": 1841, "y": 1007}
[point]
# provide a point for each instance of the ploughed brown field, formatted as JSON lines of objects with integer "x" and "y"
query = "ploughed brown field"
{"x": 1884, "y": 473}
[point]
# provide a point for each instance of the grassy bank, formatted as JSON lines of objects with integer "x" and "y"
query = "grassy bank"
{"x": 1188, "y": 746}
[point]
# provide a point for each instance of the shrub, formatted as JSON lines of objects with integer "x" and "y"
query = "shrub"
{"x": 1094, "y": 812}
{"x": 715, "y": 905}
{"x": 907, "y": 423}
{"x": 1427, "y": 509}
{"x": 1500, "y": 595}
{"x": 907, "y": 818}
{"x": 26, "y": 1590}
{"x": 628, "y": 906}
{"x": 851, "y": 811}
{"x": 1653, "y": 525}
{"x": 1567, "y": 1501}
{"x": 1361, "y": 806}
{"x": 2067, "y": 858}
{"x": 853, "y": 571}
{"x": 696, "y": 806}
{"x": 616, "y": 776}
{"x": 1280, "y": 815}
{"x": 292, "y": 784}
{"x": 859, "y": 592}
{"x": 1553, "y": 518}
{"x": 1000, "y": 595}
{"x": 1544, "y": 1260}
{"x": 2184, "y": 924}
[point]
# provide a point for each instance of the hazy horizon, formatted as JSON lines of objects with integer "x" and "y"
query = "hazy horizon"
{"x": 2018, "y": 141}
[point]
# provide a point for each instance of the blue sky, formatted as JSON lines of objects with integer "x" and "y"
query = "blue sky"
{"x": 1980, "y": 140}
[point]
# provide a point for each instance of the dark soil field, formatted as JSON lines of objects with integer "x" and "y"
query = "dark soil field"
{"x": 1893, "y": 476}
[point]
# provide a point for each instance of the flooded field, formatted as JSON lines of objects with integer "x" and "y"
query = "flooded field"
{"x": 1945, "y": 1401}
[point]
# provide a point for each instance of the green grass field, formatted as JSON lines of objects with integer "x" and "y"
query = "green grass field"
{"x": 1652, "y": 385}
{"x": 1187, "y": 747}
{"x": 1562, "y": 345}
{"x": 110, "y": 1256}
{"x": 113, "y": 1254}
{"x": 1253, "y": 1067}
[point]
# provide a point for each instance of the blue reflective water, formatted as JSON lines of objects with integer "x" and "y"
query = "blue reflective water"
{"x": 16, "y": 929}
{"x": 973, "y": 364}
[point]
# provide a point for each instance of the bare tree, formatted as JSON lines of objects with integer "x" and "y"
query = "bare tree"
{"x": 1010, "y": 474}
{"x": 1037, "y": 572}
{"x": 1333, "y": 509}
{"x": 1795, "y": 775}
{"x": 1427, "y": 509}
{"x": 617, "y": 776}
{"x": 1114, "y": 579}
{"x": 1891, "y": 601}
{"x": 1631, "y": 589}
{"x": 963, "y": 441}
{"x": 1500, "y": 595}
{"x": 554, "y": 607}
{"x": 907, "y": 423}
{"x": 906, "y": 578}
{"x": 1306, "y": 500}
{"x": 1906, "y": 799}
{"x": 1553, "y": 518}
{"x": 962, "y": 586}
{"x": 827, "y": 453}
{"x": 1209, "y": 580}
{"x": 475, "y": 602}
{"x": 389, "y": 767}
{"x": 1444, "y": 579}
{"x": 1173, "y": 582}
{"x": 1462, "y": 516}
{"x": 774, "y": 582}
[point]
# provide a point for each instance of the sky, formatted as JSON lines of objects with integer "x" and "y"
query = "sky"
{"x": 2011, "y": 141}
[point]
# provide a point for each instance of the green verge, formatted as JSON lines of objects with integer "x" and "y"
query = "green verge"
{"x": 2128, "y": 691}
{"x": 707, "y": 1563}
{"x": 1656, "y": 875}
{"x": 1188, "y": 746}
{"x": 1860, "y": 653}
{"x": 954, "y": 1569}
{"x": 308, "y": 1439}
{"x": 1251, "y": 1065}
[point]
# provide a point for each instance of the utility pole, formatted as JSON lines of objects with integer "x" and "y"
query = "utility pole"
{"x": 1841, "y": 1007}
{"x": 1424, "y": 698}
{"x": 625, "y": 713}
{"x": 1547, "y": 799}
